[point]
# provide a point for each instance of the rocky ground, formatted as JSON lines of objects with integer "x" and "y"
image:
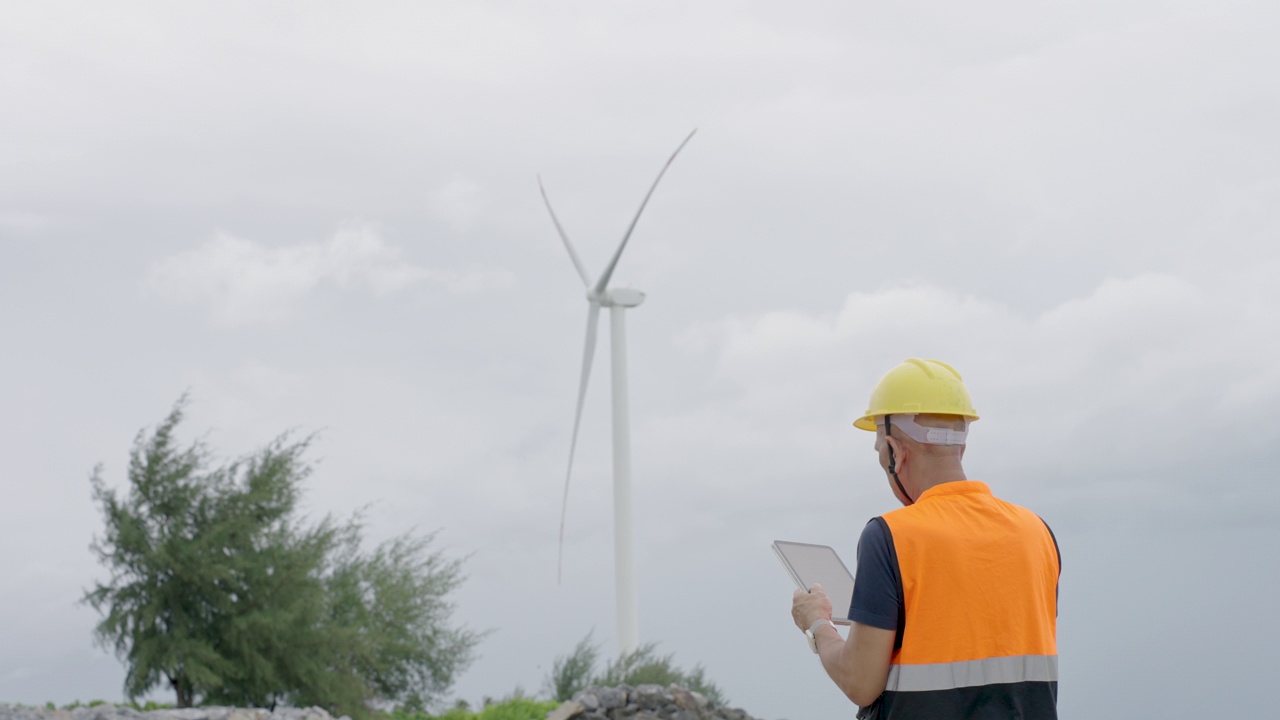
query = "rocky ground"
{"x": 643, "y": 702}
{"x": 119, "y": 712}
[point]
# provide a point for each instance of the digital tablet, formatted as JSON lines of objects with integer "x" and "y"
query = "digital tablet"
{"x": 808, "y": 564}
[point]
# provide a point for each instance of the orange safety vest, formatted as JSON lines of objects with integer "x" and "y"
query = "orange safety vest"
{"x": 979, "y": 619}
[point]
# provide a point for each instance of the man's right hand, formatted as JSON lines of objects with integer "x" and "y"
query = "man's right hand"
{"x": 810, "y": 607}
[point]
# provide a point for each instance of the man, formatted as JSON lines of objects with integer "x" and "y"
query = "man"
{"x": 954, "y": 604}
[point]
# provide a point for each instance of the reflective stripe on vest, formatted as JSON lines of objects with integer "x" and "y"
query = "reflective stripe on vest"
{"x": 971, "y": 673}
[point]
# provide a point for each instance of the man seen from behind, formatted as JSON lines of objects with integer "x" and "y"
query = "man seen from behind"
{"x": 954, "y": 609}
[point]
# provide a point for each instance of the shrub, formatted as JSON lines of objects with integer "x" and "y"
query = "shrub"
{"x": 575, "y": 671}
{"x": 516, "y": 708}
{"x": 571, "y": 673}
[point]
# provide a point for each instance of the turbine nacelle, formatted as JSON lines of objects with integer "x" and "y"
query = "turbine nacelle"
{"x": 616, "y": 297}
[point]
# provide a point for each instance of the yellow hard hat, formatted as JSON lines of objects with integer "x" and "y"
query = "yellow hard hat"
{"x": 918, "y": 386}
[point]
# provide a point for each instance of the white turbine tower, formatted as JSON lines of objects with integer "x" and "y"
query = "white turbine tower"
{"x": 599, "y": 294}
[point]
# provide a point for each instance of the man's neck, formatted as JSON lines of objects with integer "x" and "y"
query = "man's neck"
{"x": 935, "y": 474}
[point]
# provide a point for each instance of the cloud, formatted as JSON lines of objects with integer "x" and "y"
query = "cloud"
{"x": 1142, "y": 371}
{"x": 245, "y": 283}
{"x": 17, "y": 221}
{"x": 477, "y": 279}
{"x": 458, "y": 204}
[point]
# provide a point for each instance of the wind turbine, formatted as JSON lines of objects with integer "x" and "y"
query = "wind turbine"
{"x": 599, "y": 295}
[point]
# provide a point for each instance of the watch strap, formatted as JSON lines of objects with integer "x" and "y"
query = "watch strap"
{"x": 811, "y": 634}
{"x": 813, "y": 629}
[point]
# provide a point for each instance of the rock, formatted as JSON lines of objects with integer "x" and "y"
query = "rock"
{"x": 181, "y": 714}
{"x": 643, "y": 702}
{"x": 289, "y": 713}
{"x": 248, "y": 714}
{"x": 610, "y": 698}
{"x": 684, "y": 699}
{"x": 587, "y": 699}
{"x": 568, "y": 709}
{"x": 650, "y": 696}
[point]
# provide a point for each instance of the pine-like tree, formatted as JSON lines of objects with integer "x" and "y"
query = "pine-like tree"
{"x": 221, "y": 591}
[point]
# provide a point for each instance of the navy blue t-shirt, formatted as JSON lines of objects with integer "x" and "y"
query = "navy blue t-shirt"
{"x": 877, "y": 585}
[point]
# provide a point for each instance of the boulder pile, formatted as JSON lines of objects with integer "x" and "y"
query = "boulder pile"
{"x": 124, "y": 712}
{"x": 643, "y": 702}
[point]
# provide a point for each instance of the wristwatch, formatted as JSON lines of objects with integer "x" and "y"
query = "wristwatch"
{"x": 810, "y": 633}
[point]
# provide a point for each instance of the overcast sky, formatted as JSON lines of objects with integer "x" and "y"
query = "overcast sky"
{"x": 325, "y": 216}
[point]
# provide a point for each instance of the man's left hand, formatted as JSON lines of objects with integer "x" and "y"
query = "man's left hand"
{"x": 810, "y": 607}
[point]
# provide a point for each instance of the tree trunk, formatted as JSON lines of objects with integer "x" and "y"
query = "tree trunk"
{"x": 183, "y": 690}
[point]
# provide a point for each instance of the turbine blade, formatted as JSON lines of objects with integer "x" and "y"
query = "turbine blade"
{"x": 608, "y": 271}
{"x": 573, "y": 255}
{"x": 588, "y": 354}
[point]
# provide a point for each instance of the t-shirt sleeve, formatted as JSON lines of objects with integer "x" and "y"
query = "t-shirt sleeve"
{"x": 875, "y": 584}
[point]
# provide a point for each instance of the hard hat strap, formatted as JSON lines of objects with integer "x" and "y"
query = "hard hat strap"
{"x": 893, "y": 463}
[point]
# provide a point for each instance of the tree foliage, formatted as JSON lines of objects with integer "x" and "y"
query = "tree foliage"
{"x": 220, "y": 590}
{"x": 576, "y": 671}
{"x": 573, "y": 672}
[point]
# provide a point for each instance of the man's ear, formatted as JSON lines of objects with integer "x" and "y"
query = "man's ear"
{"x": 899, "y": 452}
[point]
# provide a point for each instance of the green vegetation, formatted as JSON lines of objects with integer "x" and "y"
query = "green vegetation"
{"x": 220, "y": 591}
{"x": 51, "y": 705}
{"x": 575, "y": 671}
{"x": 517, "y": 708}
{"x": 76, "y": 704}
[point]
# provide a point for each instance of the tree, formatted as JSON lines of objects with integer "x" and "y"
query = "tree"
{"x": 221, "y": 591}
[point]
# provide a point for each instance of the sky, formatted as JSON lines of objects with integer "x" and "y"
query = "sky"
{"x": 324, "y": 217}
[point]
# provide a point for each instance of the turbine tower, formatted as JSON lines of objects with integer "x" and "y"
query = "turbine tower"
{"x": 599, "y": 295}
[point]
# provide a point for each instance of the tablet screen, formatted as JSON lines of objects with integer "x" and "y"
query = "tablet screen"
{"x": 808, "y": 564}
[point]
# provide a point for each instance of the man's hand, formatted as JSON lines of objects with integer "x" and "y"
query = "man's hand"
{"x": 810, "y": 607}
{"x": 860, "y": 664}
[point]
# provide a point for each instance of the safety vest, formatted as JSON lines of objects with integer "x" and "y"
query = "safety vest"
{"x": 979, "y": 597}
